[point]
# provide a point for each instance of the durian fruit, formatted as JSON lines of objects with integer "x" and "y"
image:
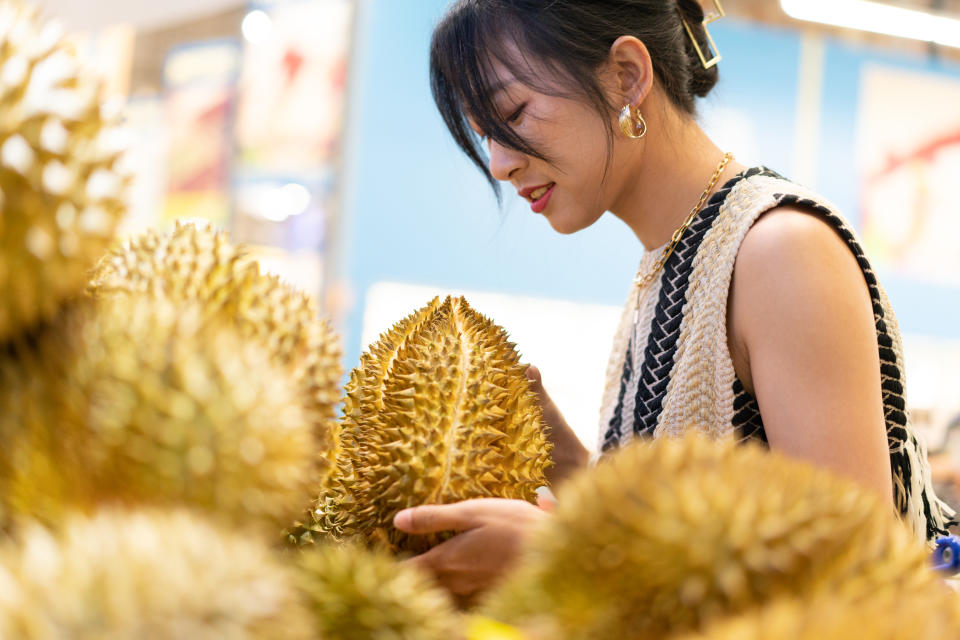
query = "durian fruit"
{"x": 145, "y": 574}
{"x": 358, "y": 594}
{"x": 888, "y": 612}
{"x": 147, "y": 402}
{"x": 337, "y": 515}
{"x": 438, "y": 411}
{"x": 199, "y": 265}
{"x": 666, "y": 536}
{"x": 61, "y": 188}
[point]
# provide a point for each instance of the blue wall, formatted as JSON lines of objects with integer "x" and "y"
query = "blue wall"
{"x": 415, "y": 210}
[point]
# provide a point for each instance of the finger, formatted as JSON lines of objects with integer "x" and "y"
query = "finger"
{"x": 533, "y": 374}
{"x": 434, "y": 518}
{"x": 437, "y": 563}
{"x": 428, "y": 561}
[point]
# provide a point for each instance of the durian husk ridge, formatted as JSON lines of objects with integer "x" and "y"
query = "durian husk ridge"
{"x": 356, "y": 593}
{"x": 200, "y": 265}
{"x": 667, "y": 536}
{"x": 145, "y": 573}
{"x": 140, "y": 401}
{"x": 62, "y": 185}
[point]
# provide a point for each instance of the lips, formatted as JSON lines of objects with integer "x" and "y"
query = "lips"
{"x": 539, "y": 204}
{"x": 536, "y": 192}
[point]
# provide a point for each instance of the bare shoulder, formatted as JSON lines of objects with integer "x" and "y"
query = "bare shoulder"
{"x": 794, "y": 276}
{"x": 785, "y": 235}
{"x": 791, "y": 253}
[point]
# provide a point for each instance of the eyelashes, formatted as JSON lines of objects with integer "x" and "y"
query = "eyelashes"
{"x": 512, "y": 119}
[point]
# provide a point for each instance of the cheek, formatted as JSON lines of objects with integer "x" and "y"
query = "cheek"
{"x": 589, "y": 182}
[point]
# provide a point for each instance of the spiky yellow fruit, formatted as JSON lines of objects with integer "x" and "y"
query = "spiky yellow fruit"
{"x": 357, "y": 594}
{"x": 668, "y": 535}
{"x": 141, "y": 401}
{"x": 438, "y": 411}
{"x": 148, "y": 574}
{"x": 199, "y": 265}
{"x": 888, "y": 612}
{"x": 61, "y": 195}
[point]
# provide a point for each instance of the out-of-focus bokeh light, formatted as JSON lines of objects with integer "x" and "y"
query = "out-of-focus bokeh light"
{"x": 275, "y": 202}
{"x": 257, "y": 27}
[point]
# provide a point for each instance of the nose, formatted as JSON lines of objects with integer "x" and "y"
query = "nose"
{"x": 504, "y": 161}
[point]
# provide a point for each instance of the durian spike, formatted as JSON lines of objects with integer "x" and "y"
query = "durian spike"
{"x": 62, "y": 193}
{"x": 884, "y": 612}
{"x": 145, "y": 574}
{"x": 666, "y": 536}
{"x": 441, "y": 411}
{"x": 199, "y": 265}
{"x": 332, "y": 515}
{"x": 147, "y": 402}
{"x": 356, "y": 594}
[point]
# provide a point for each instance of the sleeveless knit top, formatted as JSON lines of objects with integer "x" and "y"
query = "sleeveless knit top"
{"x": 670, "y": 370}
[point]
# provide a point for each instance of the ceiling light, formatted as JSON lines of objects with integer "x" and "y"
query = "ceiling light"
{"x": 878, "y": 18}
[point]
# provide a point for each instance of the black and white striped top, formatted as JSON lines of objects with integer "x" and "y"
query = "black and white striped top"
{"x": 670, "y": 370}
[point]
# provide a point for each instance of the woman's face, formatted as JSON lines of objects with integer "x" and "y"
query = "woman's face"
{"x": 569, "y": 190}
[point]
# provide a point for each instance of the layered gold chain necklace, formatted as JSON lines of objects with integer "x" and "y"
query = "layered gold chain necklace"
{"x": 642, "y": 280}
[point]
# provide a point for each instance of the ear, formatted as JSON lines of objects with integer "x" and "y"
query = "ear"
{"x": 630, "y": 71}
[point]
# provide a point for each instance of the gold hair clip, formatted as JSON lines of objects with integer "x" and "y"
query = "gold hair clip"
{"x": 707, "y": 19}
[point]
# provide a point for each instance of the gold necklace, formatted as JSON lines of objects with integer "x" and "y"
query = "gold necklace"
{"x": 642, "y": 281}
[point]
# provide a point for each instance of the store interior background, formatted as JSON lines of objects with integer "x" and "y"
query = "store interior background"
{"x": 306, "y": 128}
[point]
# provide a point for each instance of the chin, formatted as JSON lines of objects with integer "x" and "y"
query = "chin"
{"x": 568, "y": 224}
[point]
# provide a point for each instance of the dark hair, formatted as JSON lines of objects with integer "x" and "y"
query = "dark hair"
{"x": 570, "y": 39}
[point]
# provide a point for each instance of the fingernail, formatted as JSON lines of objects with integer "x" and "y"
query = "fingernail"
{"x": 402, "y": 520}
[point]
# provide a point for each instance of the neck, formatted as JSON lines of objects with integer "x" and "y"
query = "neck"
{"x": 666, "y": 174}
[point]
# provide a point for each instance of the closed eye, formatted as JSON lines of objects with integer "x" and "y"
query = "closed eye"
{"x": 515, "y": 116}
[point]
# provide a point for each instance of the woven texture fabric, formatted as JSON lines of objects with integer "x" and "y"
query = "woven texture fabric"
{"x": 670, "y": 369}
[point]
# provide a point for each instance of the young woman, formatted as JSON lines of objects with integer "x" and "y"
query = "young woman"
{"x": 754, "y": 313}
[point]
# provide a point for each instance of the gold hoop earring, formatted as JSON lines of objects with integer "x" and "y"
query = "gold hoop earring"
{"x": 632, "y": 125}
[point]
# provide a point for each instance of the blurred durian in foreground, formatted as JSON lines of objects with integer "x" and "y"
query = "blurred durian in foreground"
{"x": 200, "y": 266}
{"x": 61, "y": 190}
{"x": 438, "y": 411}
{"x": 147, "y": 402}
{"x": 145, "y": 574}
{"x": 888, "y": 612}
{"x": 666, "y": 536}
{"x": 358, "y": 594}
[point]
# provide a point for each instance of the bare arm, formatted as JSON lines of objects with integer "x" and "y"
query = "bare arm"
{"x": 803, "y": 338}
{"x": 569, "y": 454}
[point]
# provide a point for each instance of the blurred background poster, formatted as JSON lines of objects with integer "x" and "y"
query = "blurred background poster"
{"x": 289, "y": 132}
{"x": 199, "y": 100}
{"x": 911, "y": 160}
{"x": 293, "y": 85}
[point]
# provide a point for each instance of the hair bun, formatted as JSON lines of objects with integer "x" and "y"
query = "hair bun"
{"x": 701, "y": 80}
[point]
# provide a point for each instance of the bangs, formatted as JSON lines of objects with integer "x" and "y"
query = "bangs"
{"x": 474, "y": 37}
{"x": 463, "y": 82}
{"x": 466, "y": 46}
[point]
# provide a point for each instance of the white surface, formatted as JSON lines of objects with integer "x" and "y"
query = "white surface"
{"x": 933, "y": 378}
{"x": 94, "y": 14}
{"x": 569, "y": 342}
